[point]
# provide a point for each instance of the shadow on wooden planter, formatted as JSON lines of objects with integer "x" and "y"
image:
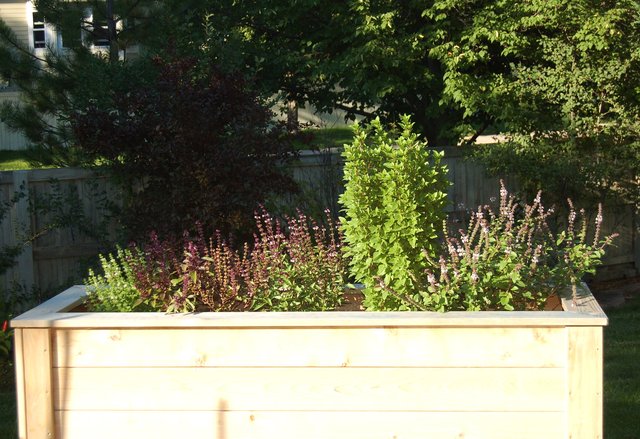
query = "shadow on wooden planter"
{"x": 331, "y": 375}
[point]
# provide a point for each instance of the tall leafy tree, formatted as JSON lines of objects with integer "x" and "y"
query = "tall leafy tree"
{"x": 192, "y": 153}
{"x": 559, "y": 77}
{"x": 368, "y": 58}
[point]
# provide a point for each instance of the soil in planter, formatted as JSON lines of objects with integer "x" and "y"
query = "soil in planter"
{"x": 352, "y": 301}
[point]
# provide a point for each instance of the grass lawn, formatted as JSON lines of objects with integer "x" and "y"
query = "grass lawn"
{"x": 622, "y": 372}
{"x": 8, "y": 426}
{"x": 13, "y": 160}
{"x": 316, "y": 138}
{"x": 321, "y": 138}
{"x": 621, "y": 378}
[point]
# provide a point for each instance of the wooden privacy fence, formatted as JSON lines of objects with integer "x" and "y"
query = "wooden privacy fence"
{"x": 61, "y": 217}
{"x": 67, "y": 214}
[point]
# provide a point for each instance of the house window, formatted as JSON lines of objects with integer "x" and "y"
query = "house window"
{"x": 100, "y": 33}
{"x": 39, "y": 32}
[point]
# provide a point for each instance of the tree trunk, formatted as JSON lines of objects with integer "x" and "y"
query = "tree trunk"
{"x": 292, "y": 115}
{"x": 113, "y": 36}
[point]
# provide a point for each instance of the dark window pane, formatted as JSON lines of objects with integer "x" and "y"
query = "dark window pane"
{"x": 39, "y": 38}
{"x": 100, "y": 34}
{"x": 38, "y": 20}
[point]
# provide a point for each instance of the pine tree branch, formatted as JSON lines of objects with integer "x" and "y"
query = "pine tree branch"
{"x": 10, "y": 38}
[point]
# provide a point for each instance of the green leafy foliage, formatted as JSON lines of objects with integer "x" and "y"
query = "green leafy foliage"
{"x": 394, "y": 199}
{"x": 366, "y": 58}
{"x": 510, "y": 259}
{"x": 560, "y": 78}
{"x": 113, "y": 290}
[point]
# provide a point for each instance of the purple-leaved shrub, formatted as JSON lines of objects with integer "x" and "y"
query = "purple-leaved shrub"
{"x": 152, "y": 266}
{"x": 295, "y": 265}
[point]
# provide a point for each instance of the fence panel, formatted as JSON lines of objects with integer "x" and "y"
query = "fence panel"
{"x": 62, "y": 216}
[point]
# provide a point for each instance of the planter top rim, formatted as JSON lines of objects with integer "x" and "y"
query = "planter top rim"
{"x": 54, "y": 313}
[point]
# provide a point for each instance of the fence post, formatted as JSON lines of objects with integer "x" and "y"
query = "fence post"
{"x": 21, "y": 222}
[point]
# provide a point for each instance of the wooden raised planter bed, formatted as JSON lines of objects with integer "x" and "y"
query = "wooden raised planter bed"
{"x": 332, "y": 375}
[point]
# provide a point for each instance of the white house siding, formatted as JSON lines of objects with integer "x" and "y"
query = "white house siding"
{"x": 10, "y": 139}
{"x": 15, "y": 16}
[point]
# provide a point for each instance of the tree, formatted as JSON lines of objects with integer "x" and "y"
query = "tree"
{"x": 559, "y": 77}
{"x": 368, "y": 58}
{"x": 190, "y": 145}
{"x": 58, "y": 81}
{"x": 192, "y": 150}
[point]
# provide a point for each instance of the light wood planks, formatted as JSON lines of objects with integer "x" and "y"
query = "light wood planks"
{"x": 481, "y": 319}
{"x": 584, "y": 378}
{"x": 313, "y": 375}
{"x": 20, "y": 384}
{"x": 584, "y": 302}
{"x": 58, "y": 304}
{"x": 52, "y": 314}
{"x": 338, "y": 347}
{"x": 38, "y": 389}
{"x": 308, "y": 425}
{"x": 336, "y": 389}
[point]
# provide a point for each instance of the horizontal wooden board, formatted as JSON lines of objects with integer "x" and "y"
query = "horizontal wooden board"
{"x": 51, "y": 315}
{"x": 428, "y": 389}
{"x": 308, "y": 425}
{"x": 480, "y": 319}
{"x": 338, "y": 347}
{"x": 583, "y": 302}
